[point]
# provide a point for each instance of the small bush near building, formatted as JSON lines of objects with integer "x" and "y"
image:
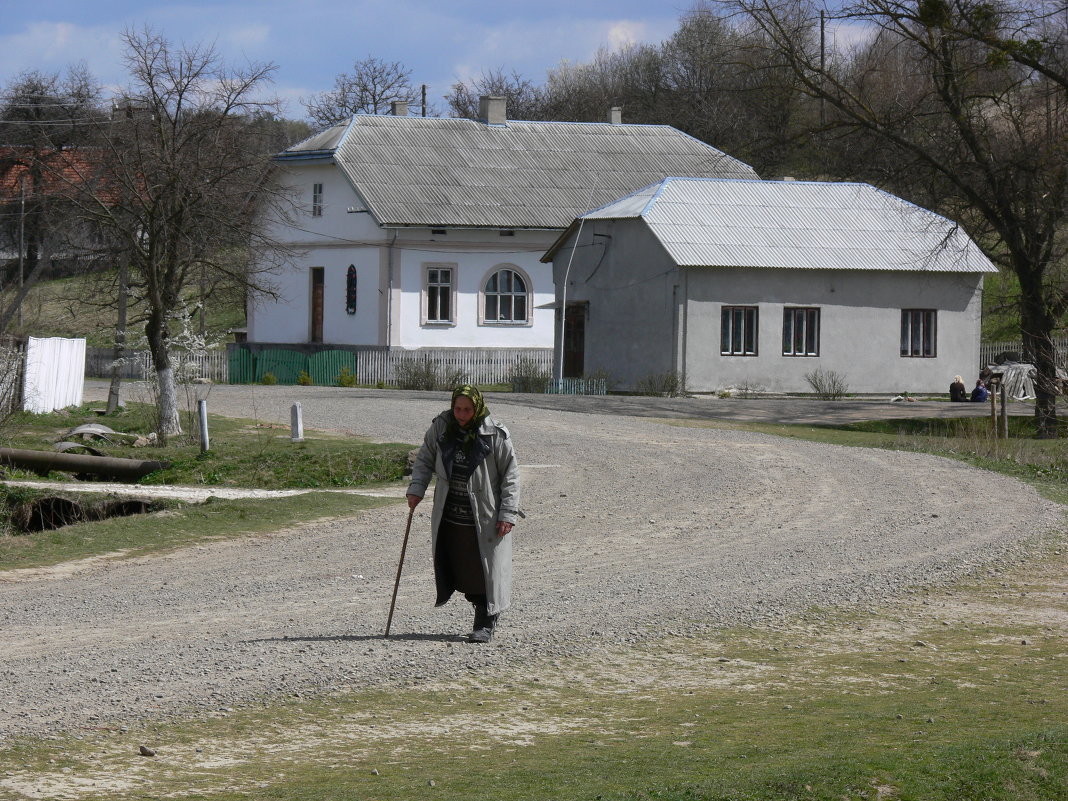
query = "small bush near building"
{"x": 347, "y": 378}
{"x": 527, "y": 375}
{"x": 600, "y": 377}
{"x": 304, "y": 379}
{"x": 749, "y": 389}
{"x": 827, "y": 384}
{"x": 269, "y": 379}
{"x": 416, "y": 373}
{"x": 667, "y": 384}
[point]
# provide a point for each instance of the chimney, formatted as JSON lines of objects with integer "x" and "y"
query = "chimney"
{"x": 615, "y": 115}
{"x": 492, "y": 110}
{"x": 399, "y": 108}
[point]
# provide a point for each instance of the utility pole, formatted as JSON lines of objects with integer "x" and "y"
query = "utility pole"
{"x": 823, "y": 66}
{"x": 424, "y": 99}
{"x": 22, "y": 236}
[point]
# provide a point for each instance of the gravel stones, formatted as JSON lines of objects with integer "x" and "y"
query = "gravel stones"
{"x": 633, "y": 528}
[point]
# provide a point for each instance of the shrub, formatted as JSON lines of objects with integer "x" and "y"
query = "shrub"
{"x": 749, "y": 389}
{"x": 827, "y": 384}
{"x": 451, "y": 380}
{"x": 347, "y": 378}
{"x": 527, "y": 375}
{"x": 598, "y": 376}
{"x": 423, "y": 373}
{"x": 667, "y": 384}
{"x": 304, "y": 379}
{"x": 269, "y": 379}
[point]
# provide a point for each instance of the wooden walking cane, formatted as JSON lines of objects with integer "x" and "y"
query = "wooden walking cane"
{"x": 396, "y": 584}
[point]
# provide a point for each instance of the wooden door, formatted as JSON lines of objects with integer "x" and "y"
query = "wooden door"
{"x": 575, "y": 340}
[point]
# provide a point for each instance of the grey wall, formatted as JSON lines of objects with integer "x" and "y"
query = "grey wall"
{"x": 629, "y": 282}
{"x": 646, "y": 317}
{"x": 860, "y": 322}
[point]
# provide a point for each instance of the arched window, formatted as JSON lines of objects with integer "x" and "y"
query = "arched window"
{"x": 350, "y": 290}
{"x": 506, "y": 297}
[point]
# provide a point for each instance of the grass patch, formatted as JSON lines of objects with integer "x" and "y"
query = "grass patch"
{"x": 243, "y": 453}
{"x": 945, "y": 696}
{"x": 184, "y": 525}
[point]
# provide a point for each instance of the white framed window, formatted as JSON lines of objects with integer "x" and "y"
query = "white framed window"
{"x": 505, "y": 297}
{"x": 317, "y": 200}
{"x": 919, "y": 329}
{"x": 439, "y": 293}
{"x": 800, "y": 332}
{"x": 738, "y": 331}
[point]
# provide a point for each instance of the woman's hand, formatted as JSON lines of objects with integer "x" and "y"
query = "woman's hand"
{"x": 413, "y": 501}
{"x": 503, "y": 528}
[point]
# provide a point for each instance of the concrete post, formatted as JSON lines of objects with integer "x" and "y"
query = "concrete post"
{"x": 202, "y": 415}
{"x": 296, "y": 424}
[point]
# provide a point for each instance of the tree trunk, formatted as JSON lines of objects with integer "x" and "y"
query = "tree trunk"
{"x": 167, "y": 402}
{"x": 39, "y": 257}
{"x": 1037, "y": 327}
{"x": 120, "y": 343}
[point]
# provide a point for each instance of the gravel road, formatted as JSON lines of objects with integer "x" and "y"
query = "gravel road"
{"x": 634, "y": 528}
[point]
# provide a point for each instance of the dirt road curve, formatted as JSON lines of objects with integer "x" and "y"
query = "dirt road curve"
{"x": 633, "y": 528}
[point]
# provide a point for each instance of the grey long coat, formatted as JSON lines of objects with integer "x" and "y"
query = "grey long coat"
{"x": 494, "y": 488}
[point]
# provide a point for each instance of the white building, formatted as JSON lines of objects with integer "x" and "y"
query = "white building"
{"x": 758, "y": 283}
{"x": 426, "y": 232}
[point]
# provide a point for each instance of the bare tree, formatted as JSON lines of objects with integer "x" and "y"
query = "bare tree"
{"x": 963, "y": 97}
{"x": 370, "y": 88}
{"x": 180, "y": 186}
{"x": 525, "y": 100}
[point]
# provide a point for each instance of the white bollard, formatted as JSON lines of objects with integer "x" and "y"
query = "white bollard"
{"x": 296, "y": 424}
{"x": 202, "y": 414}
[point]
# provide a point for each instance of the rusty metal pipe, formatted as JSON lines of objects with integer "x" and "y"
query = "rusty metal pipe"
{"x": 43, "y": 462}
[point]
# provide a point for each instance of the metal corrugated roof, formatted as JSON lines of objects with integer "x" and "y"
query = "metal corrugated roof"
{"x": 795, "y": 224}
{"x": 417, "y": 171}
{"x": 316, "y": 143}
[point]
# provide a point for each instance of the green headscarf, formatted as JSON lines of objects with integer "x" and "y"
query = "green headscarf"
{"x": 468, "y": 433}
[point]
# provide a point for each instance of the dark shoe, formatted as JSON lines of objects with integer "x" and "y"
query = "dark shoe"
{"x": 485, "y": 623}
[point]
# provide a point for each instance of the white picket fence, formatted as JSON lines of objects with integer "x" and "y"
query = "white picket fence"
{"x": 138, "y": 364}
{"x": 472, "y": 365}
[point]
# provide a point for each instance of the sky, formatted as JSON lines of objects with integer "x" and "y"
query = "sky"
{"x": 312, "y": 41}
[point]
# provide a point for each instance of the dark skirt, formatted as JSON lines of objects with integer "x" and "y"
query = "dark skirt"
{"x": 458, "y": 559}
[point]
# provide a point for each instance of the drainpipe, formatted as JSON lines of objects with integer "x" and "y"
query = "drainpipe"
{"x": 389, "y": 293}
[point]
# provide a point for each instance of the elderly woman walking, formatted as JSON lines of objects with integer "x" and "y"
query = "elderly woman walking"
{"x": 476, "y": 503}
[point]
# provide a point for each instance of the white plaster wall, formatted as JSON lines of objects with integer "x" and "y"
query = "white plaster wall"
{"x": 860, "y": 323}
{"x": 333, "y": 241}
{"x": 474, "y": 253}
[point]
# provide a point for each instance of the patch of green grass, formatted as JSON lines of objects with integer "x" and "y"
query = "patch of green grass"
{"x": 176, "y": 528}
{"x": 920, "y": 701}
{"x": 243, "y": 453}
